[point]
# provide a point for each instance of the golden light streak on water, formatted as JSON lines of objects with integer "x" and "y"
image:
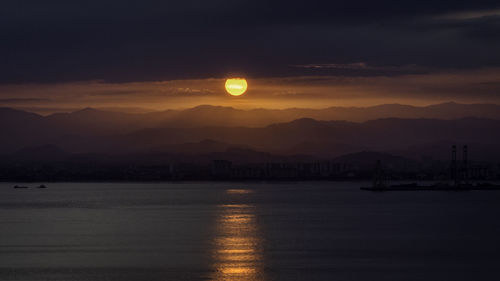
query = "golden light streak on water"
{"x": 237, "y": 254}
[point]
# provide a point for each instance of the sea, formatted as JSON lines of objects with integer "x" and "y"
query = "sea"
{"x": 246, "y": 231}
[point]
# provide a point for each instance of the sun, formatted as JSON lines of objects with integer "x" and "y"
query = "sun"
{"x": 236, "y": 86}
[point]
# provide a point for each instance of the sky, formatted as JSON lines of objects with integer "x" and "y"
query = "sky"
{"x": 150, "y": 55}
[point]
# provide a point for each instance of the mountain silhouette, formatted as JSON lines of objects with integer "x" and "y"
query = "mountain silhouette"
{"x": 209, "y": 129}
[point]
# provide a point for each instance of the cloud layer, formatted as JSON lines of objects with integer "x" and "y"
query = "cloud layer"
{"x": 466, "y": 86}
{"x": 128, "y": 41}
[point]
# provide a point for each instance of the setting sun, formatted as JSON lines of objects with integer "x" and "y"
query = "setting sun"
{"x": 236, "y": 86}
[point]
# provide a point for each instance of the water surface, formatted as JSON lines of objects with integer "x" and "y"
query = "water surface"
{"x": 246, "y": 231}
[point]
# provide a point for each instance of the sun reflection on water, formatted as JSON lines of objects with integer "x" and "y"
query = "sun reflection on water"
{"x": 239, "y": 191}
{"x": 237, "y": 252}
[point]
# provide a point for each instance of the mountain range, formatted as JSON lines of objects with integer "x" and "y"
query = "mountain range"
{"x": 207, "y": 115}
{"x": 316, "y": 133}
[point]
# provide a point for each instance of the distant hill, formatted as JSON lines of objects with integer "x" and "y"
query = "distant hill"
{"x": 44, "y": 153}
{"x": 365, "y": 160}
{"x": 208, "y": 129}
{"x": 207, "y": 115}
{"x": 321, "y": 139}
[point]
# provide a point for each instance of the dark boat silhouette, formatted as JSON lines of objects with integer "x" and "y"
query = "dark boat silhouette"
{"x": 24, "y": 186}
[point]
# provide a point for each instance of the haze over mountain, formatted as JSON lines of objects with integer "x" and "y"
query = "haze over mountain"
{"x": 209, "y": 129}
{"x": 101, "y": 121}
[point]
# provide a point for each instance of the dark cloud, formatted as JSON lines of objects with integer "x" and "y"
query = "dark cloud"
{"x": 22, "y": 100}
{"x": 53, "y": 41}
{"x": 114, "y": 93}
{"x": 363, "y": 69}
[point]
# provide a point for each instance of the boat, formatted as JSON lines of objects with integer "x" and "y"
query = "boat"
{"x": 24, "y": 186}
